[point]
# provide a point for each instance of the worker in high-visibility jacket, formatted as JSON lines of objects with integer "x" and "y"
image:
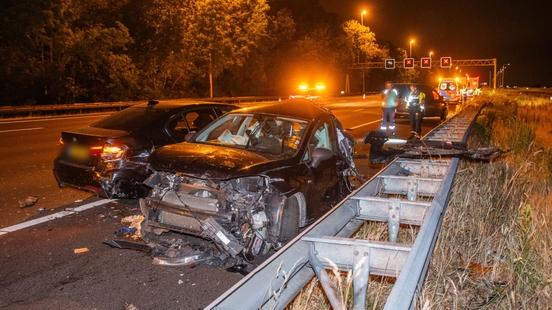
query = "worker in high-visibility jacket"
{"x": 415, "y": 106}
{"x": 389, "y": 104}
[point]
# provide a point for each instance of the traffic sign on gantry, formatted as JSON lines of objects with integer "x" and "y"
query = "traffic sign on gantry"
{"x": 446, "y": 62}
{"x": 425, "y": 62}
{"x": 409, "y": 63}
{"x": 390, "y": 63}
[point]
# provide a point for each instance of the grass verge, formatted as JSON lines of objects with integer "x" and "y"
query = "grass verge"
{"x": 495, "y": 246}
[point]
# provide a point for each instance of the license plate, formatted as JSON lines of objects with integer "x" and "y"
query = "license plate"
{"x": 78, "y": 152}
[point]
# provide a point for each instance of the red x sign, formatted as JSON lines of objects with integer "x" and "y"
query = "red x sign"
{"x": 409, "y": 63}
{"x": 446, "y": 62}
{"x": 425, "y": 62}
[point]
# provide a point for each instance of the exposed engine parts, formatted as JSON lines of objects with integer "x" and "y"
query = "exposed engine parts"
{"x": 237, "y": 215}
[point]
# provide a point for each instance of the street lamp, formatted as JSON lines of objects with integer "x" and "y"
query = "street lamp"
{"x": 362, "y": 17}
{"x": 411, "y": 42}
{"x": 430, "y": 54}
{"x": 502, "y": 71}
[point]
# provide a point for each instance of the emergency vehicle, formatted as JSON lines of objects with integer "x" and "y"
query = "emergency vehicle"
{"x": 450, "y": 88}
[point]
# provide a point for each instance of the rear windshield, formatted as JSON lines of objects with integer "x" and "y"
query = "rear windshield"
{"x": 129, "y": 119}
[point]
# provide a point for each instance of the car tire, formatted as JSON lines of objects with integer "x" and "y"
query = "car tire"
{"x": 444, "y": 114}
{"x": 290, "y": 220}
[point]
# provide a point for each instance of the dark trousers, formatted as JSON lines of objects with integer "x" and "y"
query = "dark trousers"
{"x": 416, "y": 117}
{"x": 388, "y": 114}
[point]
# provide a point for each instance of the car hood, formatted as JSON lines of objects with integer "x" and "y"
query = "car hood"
{"x": 210, "y": 161}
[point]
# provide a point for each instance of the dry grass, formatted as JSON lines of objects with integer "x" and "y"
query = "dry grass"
{"x": 495, "y": 247}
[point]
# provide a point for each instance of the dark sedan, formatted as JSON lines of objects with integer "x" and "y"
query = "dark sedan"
{"x": 109, "y": 157}
{"x": 435, "y": 105}
{"x": 250, "y": 180}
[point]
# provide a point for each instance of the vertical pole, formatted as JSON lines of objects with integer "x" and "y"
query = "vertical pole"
{"x": 210, "y": 75}
{"x": 494, "y": 82}
{"x": 347, "y": 85}
{"x": 363, "y": 83}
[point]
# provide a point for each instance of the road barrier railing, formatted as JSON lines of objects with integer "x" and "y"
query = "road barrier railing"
{"x": 407, "y": 192}
{"x": 79, "y": 108}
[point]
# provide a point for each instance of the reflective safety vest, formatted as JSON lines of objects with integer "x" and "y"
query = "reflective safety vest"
{"x": 415, "y": 98}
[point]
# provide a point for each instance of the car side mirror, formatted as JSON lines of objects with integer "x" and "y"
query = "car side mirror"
{"x": 189, "y": 136}
{"x": 319, "y": 155}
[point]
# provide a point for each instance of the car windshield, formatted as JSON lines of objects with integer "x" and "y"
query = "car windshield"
{"x": 256, "y": 132}
{"x": 129, "y": 119}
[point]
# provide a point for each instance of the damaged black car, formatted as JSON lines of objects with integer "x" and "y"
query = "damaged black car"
{"x": 250, "y": 180}
{"x": 109, "y": 157}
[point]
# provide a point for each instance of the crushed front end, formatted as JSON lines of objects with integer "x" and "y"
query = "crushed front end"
{"x": 238, "y": 215}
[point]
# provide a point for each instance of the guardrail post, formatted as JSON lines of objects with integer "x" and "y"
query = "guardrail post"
{"x": 325, "y": 281}
{"x": 361, "y": 274}
{"x": 412, "y": 189}
{"x": 394, "y": 219}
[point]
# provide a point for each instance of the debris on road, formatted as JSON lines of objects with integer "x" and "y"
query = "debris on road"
{"x": 81, "y": 250}
{"x": 122, "y": 244}
{"x": 414, "y": 148}
{"x": 28, "y": 202}
{"x": 134, "y": 221}
{"x": 125, "y": 232}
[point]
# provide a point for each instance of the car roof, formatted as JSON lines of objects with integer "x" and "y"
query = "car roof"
{"x": 296, "y": 108}
{"x": 415, "y": 84}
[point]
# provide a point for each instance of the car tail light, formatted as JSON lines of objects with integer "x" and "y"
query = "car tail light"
{"x": 96, "y": 150}
{"x": 112, "y": 152}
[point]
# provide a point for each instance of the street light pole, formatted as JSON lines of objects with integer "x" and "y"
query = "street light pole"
{"x": 501, "y": 73}
{"x": 411, "y": 41}
{"x": 210, "y": 76}
{"x": 503, "y": 70}
{"x": 362, "y": 17}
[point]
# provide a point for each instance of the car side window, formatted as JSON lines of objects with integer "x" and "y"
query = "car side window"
{"x": 186, "y": 122}
{"x": 435, "y": 96}
{"x": 322, "y": 137}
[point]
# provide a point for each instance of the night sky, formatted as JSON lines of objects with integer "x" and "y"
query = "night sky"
{"x": 514, "y": 32}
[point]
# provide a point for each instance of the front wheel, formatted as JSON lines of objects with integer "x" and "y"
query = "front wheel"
{"x": 290, "y": 220}
{"x": 444, "y": 115}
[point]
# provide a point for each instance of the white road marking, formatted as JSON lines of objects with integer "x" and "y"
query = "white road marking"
{"x": 22, "y": 129}
{"x": 362, "y": 125}
{"x": 51, "y": 217}
{"x": 358, "y": 110}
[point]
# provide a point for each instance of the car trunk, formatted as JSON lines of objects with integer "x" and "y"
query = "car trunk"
{"x": 84, "y": 146}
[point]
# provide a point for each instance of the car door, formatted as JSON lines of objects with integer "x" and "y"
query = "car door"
{"x": 178, "y": 126}
{"x": 429, "y": 107}
{"x": 324, "y": 188}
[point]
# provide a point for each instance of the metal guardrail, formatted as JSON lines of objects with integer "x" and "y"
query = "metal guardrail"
{"x": 412, "y": 192}
{"x": 13, "y": 111}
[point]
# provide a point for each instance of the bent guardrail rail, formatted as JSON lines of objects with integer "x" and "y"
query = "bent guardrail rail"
{"x": 392, "y": 196}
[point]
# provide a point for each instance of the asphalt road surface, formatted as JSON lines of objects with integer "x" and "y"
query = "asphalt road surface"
{"x": 39, "y": 268}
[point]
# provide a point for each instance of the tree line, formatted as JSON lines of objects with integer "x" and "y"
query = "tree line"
{"x": 64, "y": 51}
